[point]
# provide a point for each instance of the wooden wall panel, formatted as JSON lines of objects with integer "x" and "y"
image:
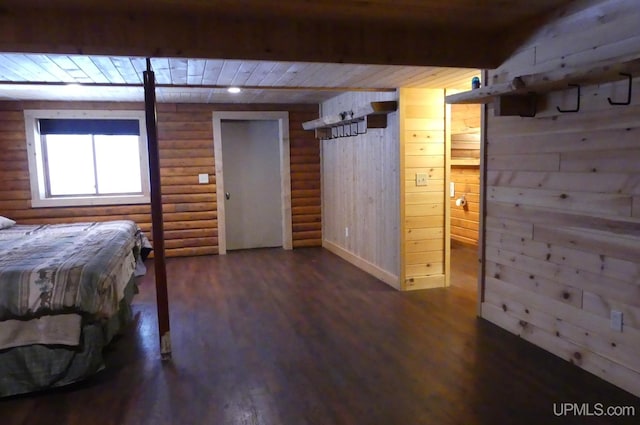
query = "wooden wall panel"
{"x": 464, "y": 122}
{"x": 465, "y": 220}
{"x": 423, "y": 208}
{"x": 583, "y": 33}
{"x": 562, "y": 214}
{"x": 186, "y": 149}
{"x": 360, "y": 192}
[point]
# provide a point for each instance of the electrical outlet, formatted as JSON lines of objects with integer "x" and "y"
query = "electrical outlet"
{"x": 616, "y": 320}
{"x": 421, "y": 179}
{"x": 346, "y": 232}
{"x": 203, "y": 178}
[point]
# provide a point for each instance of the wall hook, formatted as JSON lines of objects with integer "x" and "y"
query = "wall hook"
{"x": 628, "y": 101}
{"x": 577, "y": 108}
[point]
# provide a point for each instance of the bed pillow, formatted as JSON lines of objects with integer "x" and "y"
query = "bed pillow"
{"x": 6, "y": 222}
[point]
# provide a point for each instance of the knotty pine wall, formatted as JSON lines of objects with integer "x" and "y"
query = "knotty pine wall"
{"x": 465, "y": 220}
{"x": 424, "y": 209}
{"x": 563, "y": 203}
{"x": 186, "y": 149}
{"x": 465, "y": 172}
{"x": 360, "y": 191}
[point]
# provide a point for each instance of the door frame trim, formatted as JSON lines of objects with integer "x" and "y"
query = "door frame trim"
{"x": 285, "y": 168}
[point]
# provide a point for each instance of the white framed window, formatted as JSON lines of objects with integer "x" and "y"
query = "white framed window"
{"x": 81, "y": 158}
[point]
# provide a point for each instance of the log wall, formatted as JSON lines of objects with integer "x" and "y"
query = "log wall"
{"x": 186, "y": 150}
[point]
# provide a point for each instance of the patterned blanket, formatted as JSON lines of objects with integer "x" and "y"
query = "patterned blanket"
{"x": 67, "y": 268}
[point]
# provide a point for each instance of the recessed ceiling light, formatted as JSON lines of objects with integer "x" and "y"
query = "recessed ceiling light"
{"x": 234, "y": 90}
{"x": 73, "y": 88}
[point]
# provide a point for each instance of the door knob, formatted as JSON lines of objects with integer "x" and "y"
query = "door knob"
{"x": 227, "y": 195}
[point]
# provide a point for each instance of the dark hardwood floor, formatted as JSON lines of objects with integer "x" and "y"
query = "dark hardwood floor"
{"x": 302, "y": 337}
{"x": 464, "y": 267}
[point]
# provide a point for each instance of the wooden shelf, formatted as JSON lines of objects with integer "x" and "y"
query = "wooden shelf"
{"x": 481, "y": 95}
{"x": 549, "y": 81}
{"x": 372, "y": 113}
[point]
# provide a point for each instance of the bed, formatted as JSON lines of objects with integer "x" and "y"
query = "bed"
{"x": 65, "y": 292}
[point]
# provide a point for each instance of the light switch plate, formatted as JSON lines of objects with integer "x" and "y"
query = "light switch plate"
{"x": 452, "y": 190}
{"x": 616, "y": 320}
{"x": 203, "y": 178}
{"x": 421, "y": 179}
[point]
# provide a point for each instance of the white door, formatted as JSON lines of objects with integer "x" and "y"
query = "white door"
{"x": 252, "y": 183}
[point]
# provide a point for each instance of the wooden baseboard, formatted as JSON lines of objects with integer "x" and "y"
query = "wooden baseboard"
{"x": 388, "y": 278}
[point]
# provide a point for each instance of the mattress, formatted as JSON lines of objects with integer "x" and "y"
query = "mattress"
{"x": 65, "y": 268}
{"x": 37, "y": 367}
{"x": 59, "y": 285}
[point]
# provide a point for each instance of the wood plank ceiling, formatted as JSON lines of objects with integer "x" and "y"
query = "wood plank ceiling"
{"x": 104, "y": 78}
{"x": 284, "y": 51}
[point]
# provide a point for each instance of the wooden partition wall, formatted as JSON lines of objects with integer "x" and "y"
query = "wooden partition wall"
{"x": 186, "y": 150}
{"x": 360, "y": 186}
{"x": 563, "y": 201}
{"x": 424, "y": 209}
{"x": 375, "y": 214}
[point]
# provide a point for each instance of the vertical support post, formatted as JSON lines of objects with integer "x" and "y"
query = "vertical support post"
{"x": 482, "y": 237}
{"x": 162, "y": 299}
{"x": 447, "y": 198}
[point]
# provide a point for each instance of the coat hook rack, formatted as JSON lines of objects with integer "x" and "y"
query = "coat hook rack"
{"x": 577, "y": 108}
{"x": 352, "y": 122}
{"x": 628, "y": 101}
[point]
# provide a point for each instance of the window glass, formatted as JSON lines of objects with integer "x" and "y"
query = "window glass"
{"x": 70, "y": 165}
{"x": 118, "y": 164}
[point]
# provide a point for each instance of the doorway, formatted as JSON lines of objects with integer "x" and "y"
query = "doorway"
{"x": 465, "y": 133}
{"x": 253, "y": 187}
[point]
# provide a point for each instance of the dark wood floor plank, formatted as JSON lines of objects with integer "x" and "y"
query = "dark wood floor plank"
{"x": 273, "y": 337}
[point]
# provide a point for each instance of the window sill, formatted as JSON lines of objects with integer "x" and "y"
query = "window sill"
{"x": 90, "y": 201}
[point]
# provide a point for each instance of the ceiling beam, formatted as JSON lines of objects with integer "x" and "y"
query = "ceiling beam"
{"x": 197, "y": 86}
{"x": 207, "y": 36}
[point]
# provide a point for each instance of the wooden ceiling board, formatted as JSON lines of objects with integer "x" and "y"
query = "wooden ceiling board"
{"x": 107, "y": 68}
{"x": 260, "y": 73}
{"x": 163, "y": 95}
{"x": 245, "y": 70}
{"x": 66, "y": 93}
{"x": 291, "y": 73}
{"x": 274, "y": 76}
{"x": 445, "y": 77}
{"x": 195, "y": 71}
{"x": 308, "y": 82}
